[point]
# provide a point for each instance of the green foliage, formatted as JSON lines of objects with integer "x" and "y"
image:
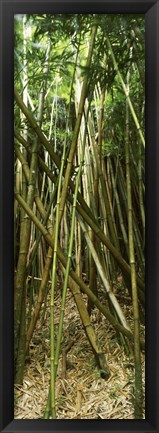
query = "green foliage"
{"x": 53, "y": 81}
{"x": 64, "y": 32}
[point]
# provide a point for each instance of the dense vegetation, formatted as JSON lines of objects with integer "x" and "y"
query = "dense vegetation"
{"x": 79, "y": 181}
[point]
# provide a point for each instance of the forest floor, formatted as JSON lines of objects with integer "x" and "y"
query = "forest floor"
{"x": 80, "y": 391}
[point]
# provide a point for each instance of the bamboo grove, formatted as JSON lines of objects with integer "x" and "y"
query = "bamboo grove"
{"x": 79, "y": 181}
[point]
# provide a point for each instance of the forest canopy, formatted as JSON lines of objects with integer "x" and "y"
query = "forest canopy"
{"x": 79, "y": 215}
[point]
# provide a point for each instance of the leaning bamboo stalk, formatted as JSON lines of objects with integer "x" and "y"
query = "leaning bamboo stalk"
{"x": 84, "y": 210}
{"x": 111, "y": 264}
{"x": 59, "y": 214}
{"x": 26, "y": 172}
{"x": 55, "y": 358}
{"x": 25, "y": 239}
{"x": 138, "y": 248}
{"x": 69, "y": 255}
{"x": 89, "y": 218}
{"x": 22, "y": 262}
{"x": 18, "y": 174}
{"x": 121, "y": 221}
{"x": 78, "y": 250}
{"x": 126, "y": 93}
{"x": 85, "y": 289}
{"x": 141, "y": 203}
{"x": 104, "y": 279}
{"x": 78, "y": 122}
{"x": 42, "y": 290}
{"x": 111, "y": 222}
{"x": 46, "y": 144}
{"x": 89, "y": 331}
{"x": 121, "y": 262}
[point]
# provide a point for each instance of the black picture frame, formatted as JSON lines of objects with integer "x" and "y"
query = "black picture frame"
{"x": 150, "y": 8}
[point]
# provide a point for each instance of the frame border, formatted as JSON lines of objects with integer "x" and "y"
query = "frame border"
{"x": 151, "y": 10}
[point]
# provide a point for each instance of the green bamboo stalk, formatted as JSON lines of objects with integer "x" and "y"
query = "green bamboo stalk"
{"x": 121, "y": 221}
{"x": 53, "y": 355}
{"x": 138, "y": 247}
{"x": 59, "y": 336}
{"x": 66, "y": 276}
{"x": 104, "y": 279}
{"x": 142, "y": 210}
{"x": 26, "y": 171}
{"x": 111, "y": 222}
{"x": 85, "y": 289}
{"x": 137, "y": 355}
{"x": 48, "y": 147}
{"x": 78, "y": 122}
{"x": 126, "y": 93}
{"x": 59, "y": 213}
{"x": 89, "y": 218}
{"x": 19, "y": 285}
{"x": 25, "y": 240}
{"x": 89, "y": 330}
{"x": 22, "y": 261}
